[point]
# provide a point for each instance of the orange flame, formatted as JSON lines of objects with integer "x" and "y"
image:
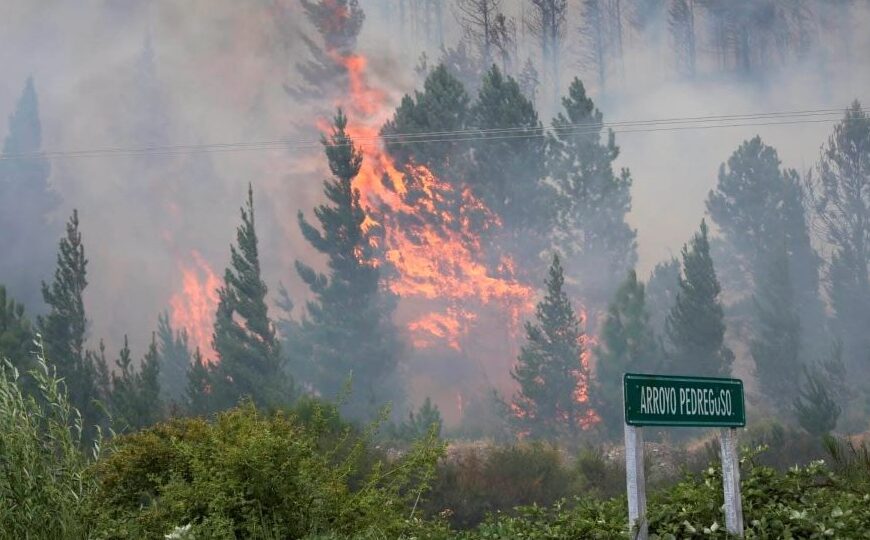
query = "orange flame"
{"x": 194, "y": 307}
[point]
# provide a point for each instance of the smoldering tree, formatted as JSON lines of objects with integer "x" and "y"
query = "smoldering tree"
{"x": 839, "y": 192}
{"x": 477, "y": 19}
{"x": 546, "y": 22}
{"x": 338, "y": 24}
{"x": 681, "y": 23}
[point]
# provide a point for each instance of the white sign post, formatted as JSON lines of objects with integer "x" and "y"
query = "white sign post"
{"x": 636, "y": 482}
{"x": 664, "y": 400}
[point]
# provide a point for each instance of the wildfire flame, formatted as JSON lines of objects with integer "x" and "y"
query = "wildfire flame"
{"x": 194, "y": 307}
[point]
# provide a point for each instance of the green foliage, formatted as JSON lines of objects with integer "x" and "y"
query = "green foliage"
{"x": 695, "y": 326}
{"x": 815, "y": 408}
{"x": 16, "y": 334}
{"x": 174, "y": 353}
{"x": 592, "y": 201}
{"x": 550, "y": 370}
{"x": 418, "y": 424}
{"x": 65, "y": 326}
{"x": 348, "y": 326}
{"x": 249, "y": 359}
{"x": 197, "y": 394}
{"x": 251, "y": 475}
{"x": 508, "y": 174}
{"x": 43, "y": 472}
{"x": 474, "y": 481}
{"x": 661, "y": 293}
{"x": 777, "y": 342}
{"x": 134, "y": 401}
{"x": 851, "y": 460}
{"x": 627, "y": 344}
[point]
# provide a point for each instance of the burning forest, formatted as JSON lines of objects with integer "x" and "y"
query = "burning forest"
{"x": 457, "y": 221}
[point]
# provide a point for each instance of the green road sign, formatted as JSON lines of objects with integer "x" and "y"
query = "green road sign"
{"x": 665, "y": 400}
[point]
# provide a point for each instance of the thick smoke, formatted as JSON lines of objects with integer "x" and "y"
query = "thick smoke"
{"x": 119, "y": 74}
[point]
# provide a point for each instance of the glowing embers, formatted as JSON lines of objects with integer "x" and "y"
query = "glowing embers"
{"x": 194, "y": 307}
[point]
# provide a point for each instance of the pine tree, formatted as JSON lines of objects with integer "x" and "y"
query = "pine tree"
{"x": 348, "y": 325}
{"x": 174, "y": 353}
{"x": 249, "y": 358}
{"x": 26, "y": 202}
{"x": 777, "y": 343}
{"x": 593, "y": 201}
{"x": 815, "y": 406}
{"x": 759, "y": 208}
{"x": 627, "y": 345}
{"x": 661, "y": 293}
{"x": 64, "y": 328}
{"x": 840, "y": 195}
{"x": 695, "y": 326}
{"x": 198, "y": 393}
{"x": 16, "y": 334}
{"x": 135, "y": 398}
{"x": 442, "y": 106}
{"x": 507, "y": 173}
{"x": 551, "y": 372}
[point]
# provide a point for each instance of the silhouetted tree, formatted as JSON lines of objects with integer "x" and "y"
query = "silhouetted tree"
{"x": 695, "y": 326}
{"x": 134, "y": 401}
{"x": 174, "y": 354}
{"x": 348, "y": 325}
{"x": 553, "y": 378}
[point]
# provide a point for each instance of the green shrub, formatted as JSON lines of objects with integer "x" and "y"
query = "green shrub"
{"x": 248, "y": 475}
{"x": 474, "y": 481}
{"x": 43, "y": 472}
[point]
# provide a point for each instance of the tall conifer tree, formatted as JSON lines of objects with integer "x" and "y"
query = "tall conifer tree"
{"x": 26, "y": 201}
{"x": 348, "y": 326}
{"x": 135, "y": 397}
{"x": 174, "y": 353}
{"x": 64, "y": 328}
{"x": 249, "y": 359}
{"x": 593, "y": 200}
{"x": 627, "y": 344}
{"x": 198, "y": 392}
{"x": 840, "y": 192}
{"x": 553, "y": 398}
{"x": 16, "y": 334}
{"x": 696, "y": 326}
{"x": 777, "y": 342}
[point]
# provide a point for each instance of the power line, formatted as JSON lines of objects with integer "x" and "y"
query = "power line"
{"x": 467, "y": 135}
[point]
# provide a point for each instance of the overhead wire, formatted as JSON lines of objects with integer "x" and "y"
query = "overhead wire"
{"x": 471, "y": 134}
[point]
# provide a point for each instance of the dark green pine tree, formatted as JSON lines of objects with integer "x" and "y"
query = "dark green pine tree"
{"x": 840, "y": 195}
{"x": 64, "y": 329}
{"x": 198, "y": 399}
{"x": 777, "y": 343}
{"x": 443, "y": 105}
{"x": 508, "y": 173}
{"x": 695, "y": 326}
{"x": 26, "y": 202}
{"x": 174, "y": 353}
{"x": 593, "y": 200}
{"x": 16, "y": 334}
{"x": 348, "y": 325}
{"x": 627, "y": 344}
{"x": 661, "y": 293}
{"x": 134, "y": 401}
{"x": 552, "y": 401}
{"x": 759, "y": 207}
{"x": 249, "y": 358}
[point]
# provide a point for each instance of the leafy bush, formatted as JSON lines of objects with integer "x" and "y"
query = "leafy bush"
{"x": 247, "y": 475}
{"x": 43, "y": 472}
{"x": 476, "y": 480}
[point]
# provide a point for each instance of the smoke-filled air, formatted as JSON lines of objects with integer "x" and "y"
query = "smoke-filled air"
{"x": 333, "y": 269}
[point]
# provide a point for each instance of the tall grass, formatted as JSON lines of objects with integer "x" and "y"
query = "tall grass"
{"x": 43, "y": 471}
